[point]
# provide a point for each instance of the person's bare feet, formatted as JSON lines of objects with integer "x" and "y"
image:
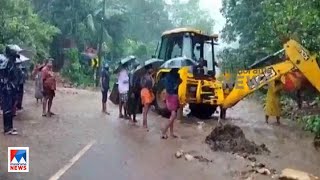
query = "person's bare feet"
{"x": 164, "y": 136}
{"x": 49, "y": 114}
{"x": 172, "y": 135}
{"x": 146, "y": 128}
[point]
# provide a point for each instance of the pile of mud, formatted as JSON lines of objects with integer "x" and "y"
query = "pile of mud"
{"x": 230, "y": 138}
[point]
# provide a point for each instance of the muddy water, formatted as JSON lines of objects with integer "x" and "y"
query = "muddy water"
{"x": 129, "y": 152}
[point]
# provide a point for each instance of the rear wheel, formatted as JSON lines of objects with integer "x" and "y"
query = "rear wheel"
{"x": 160, "y": 99}
{"x": 202, "y": 111}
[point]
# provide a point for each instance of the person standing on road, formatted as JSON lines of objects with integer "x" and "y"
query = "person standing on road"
{"x": 22, "y": 75}
{"x": 172, "y": 100}
{"x": 123, "y": 88}
{"x": 17, "y": 77}
{"x": 104, "y": 81}
{"x": 38, "y": 83}
{"x": 147, "y": 95}
{"x": 8, "y": 90}
{"x": 273, "y": 104}
{"x": 49, "y": 87}
{"x": 134, "y": 96}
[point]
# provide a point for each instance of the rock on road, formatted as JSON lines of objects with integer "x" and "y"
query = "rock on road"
{"x": 82, "y": 143}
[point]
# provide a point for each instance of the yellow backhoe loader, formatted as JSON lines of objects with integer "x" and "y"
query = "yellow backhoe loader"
{"x": 183, "y": 48}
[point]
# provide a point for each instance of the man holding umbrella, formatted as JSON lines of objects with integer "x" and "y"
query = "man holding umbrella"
{"x": 8, "y": 89}
{"x": 104, "y": 81}
{"x": 21, "y": 78}
{"x": 123, "y": 89}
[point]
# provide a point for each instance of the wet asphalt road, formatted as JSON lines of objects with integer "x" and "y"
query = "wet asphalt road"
{"x": 122, "y": 151}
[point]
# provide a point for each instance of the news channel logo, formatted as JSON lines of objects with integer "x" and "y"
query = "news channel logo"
{"x": 18, "y": 159}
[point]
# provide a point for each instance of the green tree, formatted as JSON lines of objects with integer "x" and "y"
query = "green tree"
{"x": 146, "y": 20}
{"x": 189, "y": 14}
{"x": 20, "y": 25}
{"x": 262, "y": 26}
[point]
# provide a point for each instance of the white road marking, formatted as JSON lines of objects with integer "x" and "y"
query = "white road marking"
{"x": 72, "y": 161}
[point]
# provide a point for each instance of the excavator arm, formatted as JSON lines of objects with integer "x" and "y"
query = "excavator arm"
{"x": 248, "y": 81}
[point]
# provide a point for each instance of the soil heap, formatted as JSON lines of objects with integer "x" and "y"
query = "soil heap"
{"x": 230, "y": 138}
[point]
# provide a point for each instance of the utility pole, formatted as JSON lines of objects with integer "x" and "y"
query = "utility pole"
{"x": 100, "y": 44}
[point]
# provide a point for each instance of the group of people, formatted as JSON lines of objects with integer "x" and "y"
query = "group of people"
{"x": 45, "y": 86}
{"x": 135, "y": 94}
{"x": 12, "y": 78}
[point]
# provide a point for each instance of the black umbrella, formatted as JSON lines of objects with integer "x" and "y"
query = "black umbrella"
{"x": 178, "y": 62}
{"x": 25, "y": 55}
{"x": 3, "y": 61}
{"x": 127, "y": 60}
{"x": 154, "y": 63}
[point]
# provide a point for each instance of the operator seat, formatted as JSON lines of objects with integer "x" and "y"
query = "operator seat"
{"x": 199, "y": 71}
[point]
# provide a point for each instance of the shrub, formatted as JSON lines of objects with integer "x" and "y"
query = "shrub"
{"x": 79, "y": 75}
{"x": 312, "y": 123}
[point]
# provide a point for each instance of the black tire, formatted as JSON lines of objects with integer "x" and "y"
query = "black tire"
{"x": 202, "y": 111}
{"x": 159, "y": 101}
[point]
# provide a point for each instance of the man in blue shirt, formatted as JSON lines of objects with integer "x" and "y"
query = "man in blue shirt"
{"x": 105, "y": 79}
{"x": 172, "y": 83}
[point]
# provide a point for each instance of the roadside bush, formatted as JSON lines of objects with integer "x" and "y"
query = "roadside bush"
{"x": 312, "y": 123}
{"x": 79, "y": 75}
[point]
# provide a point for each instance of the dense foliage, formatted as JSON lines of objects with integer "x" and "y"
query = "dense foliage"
{"x": 128, "y": 27}
{"x": 261, "y": 27}
{"x": 312, "y": 123}
{"x": 77, "y": 72}
{"x": 20, "y": 25}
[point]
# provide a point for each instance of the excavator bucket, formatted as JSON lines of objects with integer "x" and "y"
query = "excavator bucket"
{"x": 306, "y": 63}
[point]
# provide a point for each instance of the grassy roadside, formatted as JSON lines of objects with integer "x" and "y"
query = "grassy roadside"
{"x": 308, "y": 117}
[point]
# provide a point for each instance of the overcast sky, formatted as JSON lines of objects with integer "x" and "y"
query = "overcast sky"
{"x": 213, "y": 6}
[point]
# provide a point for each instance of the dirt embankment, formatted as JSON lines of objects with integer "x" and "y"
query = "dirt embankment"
{"x": 230, "y": 138}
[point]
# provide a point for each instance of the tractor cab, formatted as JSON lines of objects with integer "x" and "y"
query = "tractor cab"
{"x": 189, "y": 50}
{"x": 189, "y": 44}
